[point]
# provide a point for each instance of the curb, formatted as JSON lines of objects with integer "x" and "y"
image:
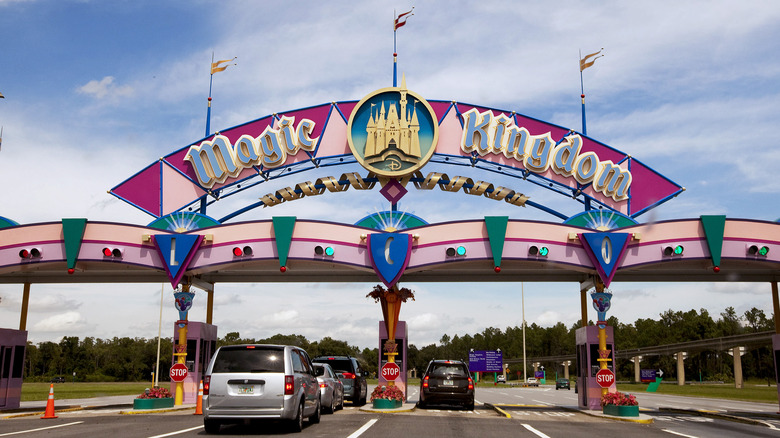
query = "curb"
{"x": 406, "y": 407}
{"x": 156, "y": 411}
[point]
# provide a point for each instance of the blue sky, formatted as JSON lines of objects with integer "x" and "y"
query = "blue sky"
{"x": 96, "y": 90}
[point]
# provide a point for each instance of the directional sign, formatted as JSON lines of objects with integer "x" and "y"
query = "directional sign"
{"x": 605, "y": 378}
{"x": 391, "y": 371}
{"x": 178, "y": 372}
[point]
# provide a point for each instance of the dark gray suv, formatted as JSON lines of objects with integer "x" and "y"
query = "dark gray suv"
{"x": 351, "y": 375}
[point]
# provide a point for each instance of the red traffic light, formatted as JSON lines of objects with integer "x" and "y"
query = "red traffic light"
{"x": 32, "y": 253}
{"x": 245, "y": 251}
{"x": 112, "y": 252}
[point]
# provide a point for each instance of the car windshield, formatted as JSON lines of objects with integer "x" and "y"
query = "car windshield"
{"x": 445, "y": 369}
{"x": 249, "y": 360}
{"x": 338, "y": 365}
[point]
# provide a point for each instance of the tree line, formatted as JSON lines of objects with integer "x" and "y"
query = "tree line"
{"x": 134, "y": 359}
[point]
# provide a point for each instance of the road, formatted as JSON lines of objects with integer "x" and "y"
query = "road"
{"x": 542, "y": 412}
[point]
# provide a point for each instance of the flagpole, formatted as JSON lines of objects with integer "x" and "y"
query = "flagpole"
{"x": 582, "y": 96}
{"x": 211, "y": 81}
{"x": 395, "y": 53}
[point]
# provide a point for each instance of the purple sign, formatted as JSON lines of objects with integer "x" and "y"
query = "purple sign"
{"x": 646, "y": 376}
{"x": 488, "y": 361}
{"x": 539, "y": 374}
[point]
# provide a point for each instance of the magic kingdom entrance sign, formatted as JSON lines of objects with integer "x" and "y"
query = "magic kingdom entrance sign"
{"x": 393, "y": 132}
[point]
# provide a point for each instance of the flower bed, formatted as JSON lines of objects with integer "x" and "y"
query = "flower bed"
{"x": 387, "y": 397}
{"x": 155, "y": 398}
{"x": 619, "y": 404}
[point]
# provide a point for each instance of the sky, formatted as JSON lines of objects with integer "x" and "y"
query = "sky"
{"x": 96, "y": 90}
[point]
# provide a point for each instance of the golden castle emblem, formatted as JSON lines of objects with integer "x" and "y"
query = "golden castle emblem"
{"x": 393, "y": 136}
{"x": 392, "y": 131}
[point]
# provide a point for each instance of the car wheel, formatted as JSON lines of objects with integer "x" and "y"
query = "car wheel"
{"x": 470, "y": 406}
{"x": 332, "y": 407}
{"x": 315, "y": 417}
{"x": 297, "y": 424}
{"x": 211, "y": 426}
{"x": 556, "y": 388}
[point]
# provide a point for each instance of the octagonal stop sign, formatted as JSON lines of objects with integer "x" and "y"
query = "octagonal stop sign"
{"x": 605, "y": 378}
{"x": 178, "y": 372}
{"x": 391, "y": 371}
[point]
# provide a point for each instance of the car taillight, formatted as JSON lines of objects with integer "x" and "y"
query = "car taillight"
{"x": 471, "y": 383}
{"x": 348, "y": 375}
{"x": 425, "y": 382}
{"x": 206, "y": 384}
{"x": 289, "y": 384}
{"x": 323, "y": 385}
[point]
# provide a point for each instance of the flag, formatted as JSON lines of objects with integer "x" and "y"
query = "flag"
{"x": 1, "y": 96}
{"x": 587, "y": 62}
{"x": 215, "y": 66}
{"x": 405, "y": 16}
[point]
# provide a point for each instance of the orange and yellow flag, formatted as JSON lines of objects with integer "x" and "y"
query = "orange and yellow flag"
{"x": 216, "y": 67}
{"x": 588, "y": 60}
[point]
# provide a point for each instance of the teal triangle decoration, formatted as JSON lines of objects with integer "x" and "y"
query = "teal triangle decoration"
{"x": 605, "y": 251}
{"x": 177, "y": 251}
{"x": 73, "y": 235}
{"x": 714, "y": 227}
{"x": 496, "y": 229}
{"x": 283, "y": 231}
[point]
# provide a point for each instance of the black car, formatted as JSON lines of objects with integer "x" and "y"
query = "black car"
{"x": 447, "y": 382}
{"x": 58, "y": 379}
{"x": 562, "y": 383}
{"x": 351, "y": 375}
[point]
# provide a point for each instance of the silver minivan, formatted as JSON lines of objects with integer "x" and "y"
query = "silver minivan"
{"x": 249, "y": 382}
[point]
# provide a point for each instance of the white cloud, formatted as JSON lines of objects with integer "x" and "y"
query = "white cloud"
{"x": 68, "y": 322}
{"x": 106, "y": 88}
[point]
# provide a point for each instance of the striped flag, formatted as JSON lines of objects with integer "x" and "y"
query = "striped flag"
{"x": 216, "y": 67}
{"x": 588, "y": 60}
{"x": 401, "y": 19}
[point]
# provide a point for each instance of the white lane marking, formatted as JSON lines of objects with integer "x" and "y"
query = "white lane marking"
{"x": 534, "y": 431}
{"x": 544, "y": 403}
{"x": 478, "y": 402}
{"x": 177, "y": 432}
{"x": 40, "y": 428}
{"x": 365, "y": 427}
{"x": 679, "y": 434}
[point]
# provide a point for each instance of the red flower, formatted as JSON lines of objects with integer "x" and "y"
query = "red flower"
{"x": 618, "y": 399}
{"x": 387, "y": 393}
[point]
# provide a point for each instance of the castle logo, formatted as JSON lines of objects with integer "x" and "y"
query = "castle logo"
{"x": 393, "y": 131}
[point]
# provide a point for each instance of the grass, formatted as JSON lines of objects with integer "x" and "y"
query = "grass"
{"x": 752, "y": 392}
{"x": 68, "y": 390}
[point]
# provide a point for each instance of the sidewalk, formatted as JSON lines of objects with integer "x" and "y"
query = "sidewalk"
{"x": 122, "y": 402}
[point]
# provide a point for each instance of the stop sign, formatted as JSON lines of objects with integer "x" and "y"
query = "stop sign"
{"x": 605, "y": 378}
{"x": 178, "y": 372}
{"x": 391, "y": 371}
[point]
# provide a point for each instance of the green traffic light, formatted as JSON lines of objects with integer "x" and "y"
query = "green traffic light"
{"x": 763, "y": 251}
{"x": 329, "y": 251}
{"x": 678, "y": 250}
{"x": 461, "y": 250}
{"x": 543, "y": 251}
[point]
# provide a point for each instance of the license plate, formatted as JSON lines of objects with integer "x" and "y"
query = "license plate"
{"x": 246, "y": 389}
{"x": 448, "y": 382}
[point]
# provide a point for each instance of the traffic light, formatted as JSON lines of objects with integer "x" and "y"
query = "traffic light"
{"x": 328, "y": 251}
{"x": 677, "y": 250}
{"x": 538, "y": 251}
{"x": 459, "y": 251}
{"x": 240, "y": 252}
{"x": 112, "y": 252}
{"x": 756, "y": 250}
{"x": 32, "y": 253}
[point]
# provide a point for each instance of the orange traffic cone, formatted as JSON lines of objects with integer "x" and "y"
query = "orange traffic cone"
{"x": 199, "y": 403}
{"x": 50, "y": 404}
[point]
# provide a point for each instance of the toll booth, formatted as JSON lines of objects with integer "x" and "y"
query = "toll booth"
{"x": 13, "y": 345}
{"x": 201, "y": 345}
{"x": 776, "y": 350}
{"x": 401, "y": 341}
{"x": 588, "y": 391}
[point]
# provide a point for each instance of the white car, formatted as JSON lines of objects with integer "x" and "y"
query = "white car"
{"x": 532, "y": 381}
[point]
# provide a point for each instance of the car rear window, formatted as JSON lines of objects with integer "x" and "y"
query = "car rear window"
{"x": 446, "y": 369}
{"x": 249, "y": 360}
{"x": 338, "y": 365}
